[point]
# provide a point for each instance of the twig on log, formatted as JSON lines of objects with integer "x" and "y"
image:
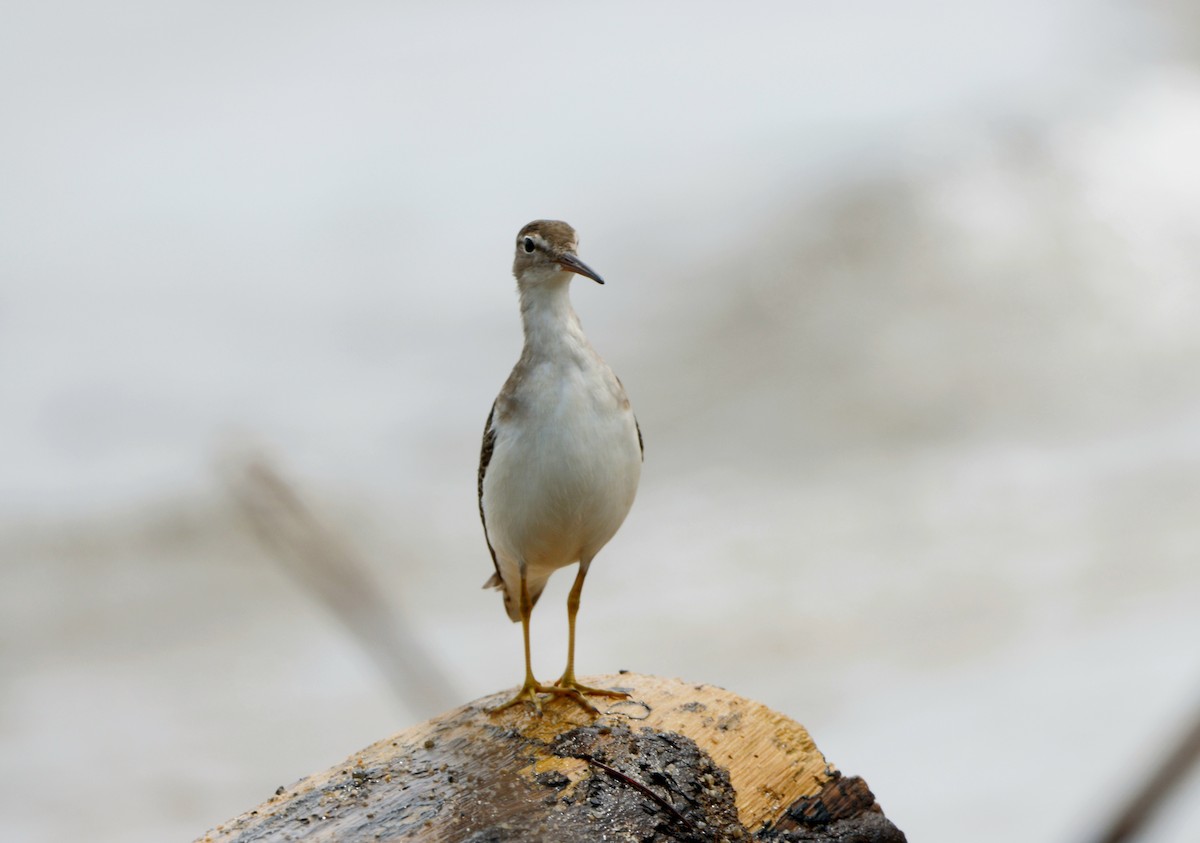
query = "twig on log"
{"x": 636, "y": 785}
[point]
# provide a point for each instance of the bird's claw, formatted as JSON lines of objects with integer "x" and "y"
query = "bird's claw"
{"x": 565, "y": 687}
{"x": 568, "y": 682}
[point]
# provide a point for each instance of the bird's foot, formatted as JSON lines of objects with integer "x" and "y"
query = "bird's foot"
{"x": 568, "y": 682}
{"x": 530, "y": 690}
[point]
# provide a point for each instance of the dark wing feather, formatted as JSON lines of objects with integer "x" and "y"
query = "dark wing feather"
{"x": 485, "y": 457}
{"x": 638, "y": 427}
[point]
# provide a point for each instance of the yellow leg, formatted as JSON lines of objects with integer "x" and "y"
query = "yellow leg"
{"x": 568, "y": 680}
{"x": 531, "y": 687}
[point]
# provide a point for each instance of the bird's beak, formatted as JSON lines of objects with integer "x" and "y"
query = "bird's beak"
{"x": 571, "y": 263}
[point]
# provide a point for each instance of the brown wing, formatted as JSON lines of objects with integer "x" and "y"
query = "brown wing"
{"x": 485, "y": 457}
{"x": 638, "y": 427}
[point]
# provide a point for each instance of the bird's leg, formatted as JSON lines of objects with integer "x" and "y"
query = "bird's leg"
{"x": 568, "y": 680}
{"x": 528, "y": 692}
{"x": 531, "y": 687}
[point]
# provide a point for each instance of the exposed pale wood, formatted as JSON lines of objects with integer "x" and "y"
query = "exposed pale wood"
{"x": 653, "y": 764}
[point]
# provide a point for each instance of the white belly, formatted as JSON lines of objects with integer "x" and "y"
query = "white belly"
{"x": 564, "y": 471}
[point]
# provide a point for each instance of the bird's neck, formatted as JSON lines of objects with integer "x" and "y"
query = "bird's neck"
{"x": 551, "y": 326}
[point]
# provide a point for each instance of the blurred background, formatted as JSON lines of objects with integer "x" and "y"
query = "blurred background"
{"x": 905, "y": 296}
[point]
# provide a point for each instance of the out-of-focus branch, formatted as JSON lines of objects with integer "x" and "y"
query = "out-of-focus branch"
{"x": 1171, "y": 771}
{"x": 330, "y": 571}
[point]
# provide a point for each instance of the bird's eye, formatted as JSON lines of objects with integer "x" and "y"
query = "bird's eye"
{"x": 528, "y": 244}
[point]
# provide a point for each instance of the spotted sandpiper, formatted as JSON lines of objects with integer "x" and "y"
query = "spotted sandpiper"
{"x": 562, "y": 452}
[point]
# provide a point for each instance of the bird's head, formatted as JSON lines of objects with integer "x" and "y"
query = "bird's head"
{"x": 546, "y": 253}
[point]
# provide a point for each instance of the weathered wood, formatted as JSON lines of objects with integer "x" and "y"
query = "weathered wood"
{"x": 675, "y": 761}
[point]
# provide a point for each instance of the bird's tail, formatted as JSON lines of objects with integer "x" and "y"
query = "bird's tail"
{"x": 510, "y": 600}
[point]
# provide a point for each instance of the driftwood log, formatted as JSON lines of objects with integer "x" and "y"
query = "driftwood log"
{"x": 674, "y": 762}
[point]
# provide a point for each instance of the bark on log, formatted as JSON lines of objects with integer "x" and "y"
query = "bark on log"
{"x": 674, "y": 762}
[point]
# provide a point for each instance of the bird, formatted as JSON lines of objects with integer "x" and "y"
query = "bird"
{"x": 562, "y": 451}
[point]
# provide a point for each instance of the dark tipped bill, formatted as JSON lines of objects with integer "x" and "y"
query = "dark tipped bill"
{"x": 571, "y": 263}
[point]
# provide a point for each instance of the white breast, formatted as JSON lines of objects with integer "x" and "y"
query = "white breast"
{"x": 564, "y": 469}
